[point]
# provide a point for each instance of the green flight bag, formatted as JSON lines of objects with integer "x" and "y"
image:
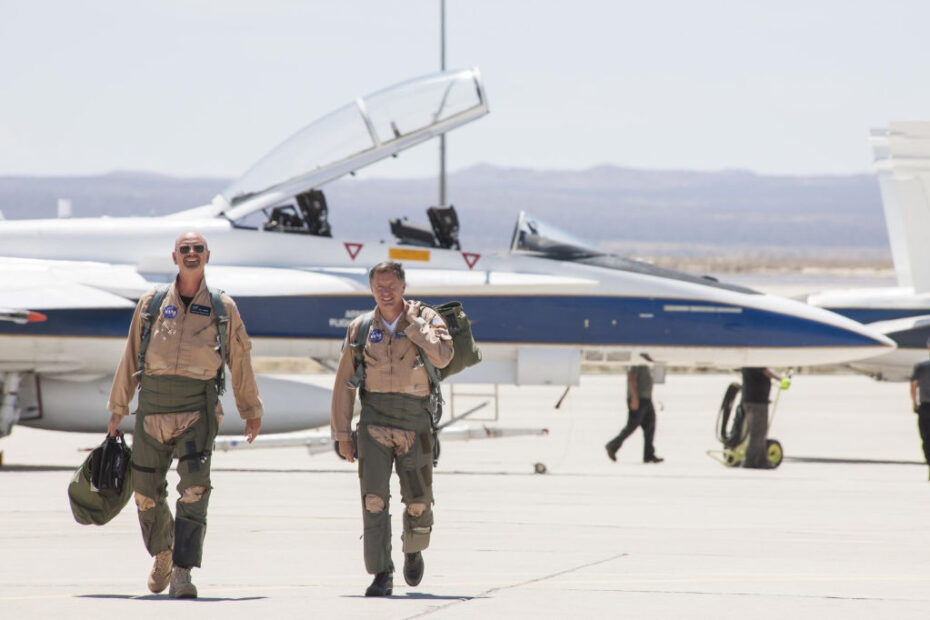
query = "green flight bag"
{"x": 467, "y": 352}
{"x": 109, "y": 466}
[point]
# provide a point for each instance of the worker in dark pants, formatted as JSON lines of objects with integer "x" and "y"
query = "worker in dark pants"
{"x": 920, "y": 398}
{"x": 757, "y": 385}
{"x": 640, "y": 412}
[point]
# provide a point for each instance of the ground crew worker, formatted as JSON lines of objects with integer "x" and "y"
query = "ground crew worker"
{"x": 395, "y": 424}
{"x": 920, "y": 398}
{"x": 757, "y": 385}
{"x": 640, "y": 412}
{"x": 179, "y": 410}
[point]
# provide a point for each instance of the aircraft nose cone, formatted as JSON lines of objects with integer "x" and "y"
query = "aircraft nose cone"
{"x": 793, "y": 330}
{"x": 850, "y": 339}
{"x": 881, "y": 340}
{"x": 869, "y": 336}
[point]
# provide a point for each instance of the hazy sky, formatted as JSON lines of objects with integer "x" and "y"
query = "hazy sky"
{"x": 206, "y": 88}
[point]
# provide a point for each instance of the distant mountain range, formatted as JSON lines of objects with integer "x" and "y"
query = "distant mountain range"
{"x": 625, "y": 210}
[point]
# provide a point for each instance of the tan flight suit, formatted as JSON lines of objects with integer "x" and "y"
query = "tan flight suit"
{"x": 179, "y": 412}
{"x": 394, "y": 427}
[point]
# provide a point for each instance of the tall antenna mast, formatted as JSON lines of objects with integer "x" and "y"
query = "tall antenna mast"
{"x": 442, "y": 138}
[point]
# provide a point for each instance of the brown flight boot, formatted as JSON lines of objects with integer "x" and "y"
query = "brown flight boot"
{"x": 181, "y": 586}
{"x": 161, "y": 572}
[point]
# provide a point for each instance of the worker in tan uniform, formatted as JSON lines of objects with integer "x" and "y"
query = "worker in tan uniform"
{"x": 174, "y": 356}
{"x": 395, "y": 425}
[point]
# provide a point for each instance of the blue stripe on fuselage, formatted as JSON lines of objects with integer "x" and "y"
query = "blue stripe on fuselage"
{"x": 594, "y": 321}
{"x": 871, "y": 315}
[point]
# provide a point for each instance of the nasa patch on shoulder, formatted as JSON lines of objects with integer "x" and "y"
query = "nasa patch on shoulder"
{"x": 170, "y": 312}
{"x": 436, "y": 321}
{"x": 376, "y": 335}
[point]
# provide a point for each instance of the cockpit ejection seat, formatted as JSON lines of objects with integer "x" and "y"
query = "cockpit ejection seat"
{"x": 312, "y": 205}
{"x": 445, "y": 225}
{"x": 444, "y": 233}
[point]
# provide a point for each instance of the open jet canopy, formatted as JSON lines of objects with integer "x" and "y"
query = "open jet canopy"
{"x": 356, "y": 135}
{"x": 534, "y": 236}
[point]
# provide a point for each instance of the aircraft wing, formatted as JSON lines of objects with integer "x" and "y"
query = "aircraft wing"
{"x": 39, "y": 297}
{"x": 67, "y": 285}
{"x": 57, "y": 295}
{"x": 318, "y": 442}
{"x": 365, "y": 131}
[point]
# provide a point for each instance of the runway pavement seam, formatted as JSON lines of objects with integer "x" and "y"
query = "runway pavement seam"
{"x": 490, "y": 591}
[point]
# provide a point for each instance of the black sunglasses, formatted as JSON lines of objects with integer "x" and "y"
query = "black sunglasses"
{"x": 198, "y": 249}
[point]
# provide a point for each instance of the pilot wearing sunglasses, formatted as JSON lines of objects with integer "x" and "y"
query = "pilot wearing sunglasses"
{"x": 175, "y": 357}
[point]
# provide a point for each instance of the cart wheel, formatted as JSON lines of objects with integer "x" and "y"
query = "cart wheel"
{"x": 774, "y": 452}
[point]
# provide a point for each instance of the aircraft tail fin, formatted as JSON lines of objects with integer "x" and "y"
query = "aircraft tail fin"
{"x": 904, "y": 178}
{"x": 894, "y": 218}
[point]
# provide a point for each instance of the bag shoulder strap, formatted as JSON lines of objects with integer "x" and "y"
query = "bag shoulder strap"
{"x": 222, "y": 335}
{"x": 357, "y": 381}
{"x": 148, "y": 318}
{"x": 431, "y": 370}
{"x": 435, "y": 379}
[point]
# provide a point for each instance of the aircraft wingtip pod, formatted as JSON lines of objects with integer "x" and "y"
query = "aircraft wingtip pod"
{"x": 21, "y": 317}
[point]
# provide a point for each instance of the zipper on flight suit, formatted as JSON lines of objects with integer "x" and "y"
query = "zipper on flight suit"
{"x": 177, "y": 356}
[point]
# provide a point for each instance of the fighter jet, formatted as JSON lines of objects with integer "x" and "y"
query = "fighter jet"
{"x": 538, "y": 308}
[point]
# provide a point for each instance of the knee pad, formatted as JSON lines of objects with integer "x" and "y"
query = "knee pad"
{"x": 374, "y": 504}
{"x": 188, "y": 542}
{"x": 192, "y": 495}
{"x": 143, "y": 502}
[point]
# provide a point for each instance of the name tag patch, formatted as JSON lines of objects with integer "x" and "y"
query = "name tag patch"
{"x": 201, "y": 310}
{"x": 376, "y": 335}
{"x": 400, "y": 335}
{"x": 170, "y": 312}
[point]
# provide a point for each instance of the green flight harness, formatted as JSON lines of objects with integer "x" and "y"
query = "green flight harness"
{"x": 222, "y": 322}
{"x": 466, "y": 354}
{"x": 219, "y": 314}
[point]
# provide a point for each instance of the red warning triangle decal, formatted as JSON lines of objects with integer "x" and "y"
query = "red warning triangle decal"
{"x": 470, "y": 258}
{"x": 353, "y": 249}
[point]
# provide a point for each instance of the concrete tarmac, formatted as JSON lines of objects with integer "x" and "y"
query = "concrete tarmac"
{"x": 840, "y": 530}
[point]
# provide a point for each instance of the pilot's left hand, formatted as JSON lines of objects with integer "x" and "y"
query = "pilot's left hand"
{"x": 411, "y": 310}
{"x": 252, "y": 427}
